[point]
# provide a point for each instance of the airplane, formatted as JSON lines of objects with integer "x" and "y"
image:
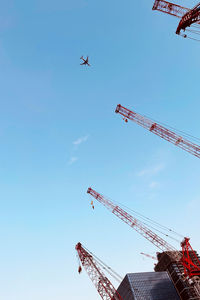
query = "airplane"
{"x": 85, "y": 61}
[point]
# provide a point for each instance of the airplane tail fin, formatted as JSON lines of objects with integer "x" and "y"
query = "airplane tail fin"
{"x": 81, "y": 57}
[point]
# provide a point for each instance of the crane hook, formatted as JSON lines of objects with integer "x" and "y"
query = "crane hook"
{"x": 125, "y": 120}
{"x": 92, "y": 204}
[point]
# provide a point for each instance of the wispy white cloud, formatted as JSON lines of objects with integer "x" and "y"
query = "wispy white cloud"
{"x": 81, "y": 140}
{"x": 72, "y": 160}
{"x": 153, "y": 185}
{"x": 151, "y": 171}
{"x": 77, "y": 143}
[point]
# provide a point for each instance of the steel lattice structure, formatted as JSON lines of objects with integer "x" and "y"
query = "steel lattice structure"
{"x": 188, "y": 16}
{"x": 191, "y": 17}
{"x": 170, "y": 8}
{"x": 104, "y": 287}
{"x": 159, "y": 130}
{"x": 132, "y": 222}
{"x": 191, "y": 268}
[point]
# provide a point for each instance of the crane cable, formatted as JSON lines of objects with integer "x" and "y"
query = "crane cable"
{"x": 113, "y": 273}
{"x": 156, "y": 223}
{"x": 149, "y": 221}
{"x": 186, "y": 135}
{"x": 194, "y": 32}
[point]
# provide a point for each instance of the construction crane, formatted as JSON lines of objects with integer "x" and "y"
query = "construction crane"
{"x": 170, "y": 8}
{"x": 188, "y": 16}
{"x": 149, "y": 256}
{"x": 158, "y": 129}
{"x": 93, "y": 267}
{"x": 190, "y": 268}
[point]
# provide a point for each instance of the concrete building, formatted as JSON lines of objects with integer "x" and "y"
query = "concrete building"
{"x": 187, "y": 289}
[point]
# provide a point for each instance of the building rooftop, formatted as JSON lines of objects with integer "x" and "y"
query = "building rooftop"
{"x": 147, "y": 286}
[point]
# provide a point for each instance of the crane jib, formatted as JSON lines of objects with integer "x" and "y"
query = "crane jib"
{"x": 161, "y": 131}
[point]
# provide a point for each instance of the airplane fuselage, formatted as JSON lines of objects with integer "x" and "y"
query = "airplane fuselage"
{"x": 85, "y": 61}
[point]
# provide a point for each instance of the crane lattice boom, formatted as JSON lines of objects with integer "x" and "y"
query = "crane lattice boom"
{"x": 147, "y": 255}
{"x": 104, "y": 287}
{"x": 132, "y": 222}
{"x": 191, "y": 267}
{"x": 170, "y": 8}
{"x": 159, "y": 130}
{"x": 188, "y": 16}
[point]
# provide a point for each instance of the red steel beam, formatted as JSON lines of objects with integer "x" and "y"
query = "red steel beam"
{"x": 188, "y": 16}
{"x": 191, "y": 267}
{"x": 159, "y": 130}
{"x": 104, "y": 287}
{"x": 170, "y": 8}
{"x": 132, "y": 222}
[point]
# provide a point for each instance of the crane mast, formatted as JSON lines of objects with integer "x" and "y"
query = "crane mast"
{"x": 104, "y": 287}
{"x": 159, "y": 130}
{"x": 190, "y": 268}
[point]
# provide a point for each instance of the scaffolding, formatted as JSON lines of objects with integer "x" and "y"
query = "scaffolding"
{"x": 187, "y": 288}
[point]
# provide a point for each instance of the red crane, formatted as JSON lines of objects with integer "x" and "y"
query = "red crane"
{"x": 188, "y": 16}
{"x": 147, "y": 255}
{"x": 190, "y": 268}
{"x": 159, "y": 130}
{"x": 92, "y": 266}
{"x": 170, "y": 8}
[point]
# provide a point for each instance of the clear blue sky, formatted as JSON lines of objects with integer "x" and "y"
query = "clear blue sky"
{"x": 60, "y": 135}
